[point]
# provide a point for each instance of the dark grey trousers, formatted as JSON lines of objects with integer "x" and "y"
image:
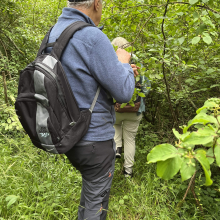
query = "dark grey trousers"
{"x": 96, "y": 162}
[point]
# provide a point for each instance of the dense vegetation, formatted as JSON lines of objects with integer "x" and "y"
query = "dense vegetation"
{"x": 178, "y": 43}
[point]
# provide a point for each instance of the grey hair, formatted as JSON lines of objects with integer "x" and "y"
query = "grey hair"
{"x": 120, "y": 42}
{"x": 83, "y": 5}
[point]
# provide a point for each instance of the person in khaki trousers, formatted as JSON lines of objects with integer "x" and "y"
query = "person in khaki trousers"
{"x": 127, "y": 123}
{"x": 126, "y": 126}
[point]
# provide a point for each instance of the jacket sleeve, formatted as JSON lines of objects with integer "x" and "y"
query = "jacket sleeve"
{"x": 114, "y": 76}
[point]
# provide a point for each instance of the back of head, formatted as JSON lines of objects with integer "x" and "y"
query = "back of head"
{"x": 120, "y": 42}
{"x": 92, "y": 8}
{"x": 82, "y": 4}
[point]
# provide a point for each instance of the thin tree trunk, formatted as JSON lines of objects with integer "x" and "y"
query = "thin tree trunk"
{"x": 175, "y": 121}
{"x": 5, "y": 87}
{"x": 9, "y": 74}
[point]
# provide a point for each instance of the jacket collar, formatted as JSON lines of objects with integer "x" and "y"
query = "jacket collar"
{"x": 76, "y": 15}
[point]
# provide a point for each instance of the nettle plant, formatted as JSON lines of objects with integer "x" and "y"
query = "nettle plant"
{"x": 201, "y": 146}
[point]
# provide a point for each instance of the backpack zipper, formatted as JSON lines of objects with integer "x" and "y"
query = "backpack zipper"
{"x": 43, "y": 66}
{"x": 47, "y": 107}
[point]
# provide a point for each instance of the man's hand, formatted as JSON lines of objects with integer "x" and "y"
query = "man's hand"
{"x": 123, "y": 55}
{"x": 135, "y": 68}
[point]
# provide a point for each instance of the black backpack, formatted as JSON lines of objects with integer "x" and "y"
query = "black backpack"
{"x": 45, "y": 105}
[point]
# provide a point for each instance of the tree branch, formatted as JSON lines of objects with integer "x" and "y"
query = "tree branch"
{"x": 55, "y": 20}
{"x": 6, "y": 54}
{"x": 142, "y": 28}
{"x": 195, "y": 197}
{"x": 159, "y": 6}
{"x": 163, "y": 65}
{"x": 34, "y": 12}
{"x": 142, "y": 5}
{"x": 200, "y": 6}
{"x": 3, "y": 58}
{"x": 189, "y": 186}
{"x": 14, "y": 44}
{"x": 5, "y": 87}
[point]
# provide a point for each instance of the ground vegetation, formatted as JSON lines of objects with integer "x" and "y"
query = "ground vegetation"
{"x": 178, "y": 44}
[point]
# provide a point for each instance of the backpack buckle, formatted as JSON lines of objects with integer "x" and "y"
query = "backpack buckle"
{"x": 72, "y": 123}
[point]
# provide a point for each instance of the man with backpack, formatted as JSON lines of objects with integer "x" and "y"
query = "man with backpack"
{"x": 89, "y": 61}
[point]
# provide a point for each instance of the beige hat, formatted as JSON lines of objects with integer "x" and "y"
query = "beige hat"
{"x": 121, "y": 42}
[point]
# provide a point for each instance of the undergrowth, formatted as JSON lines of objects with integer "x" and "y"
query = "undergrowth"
{"x": 37, "y": 185}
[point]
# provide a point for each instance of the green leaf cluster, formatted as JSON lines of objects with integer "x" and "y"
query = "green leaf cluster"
{"x": 193, "y": 147}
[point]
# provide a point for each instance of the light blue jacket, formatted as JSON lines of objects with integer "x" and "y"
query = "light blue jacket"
{"x": 89, "y": 60}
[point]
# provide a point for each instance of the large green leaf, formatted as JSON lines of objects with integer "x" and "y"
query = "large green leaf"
{"x": 181, "y": 40}
{"x": 183, "y": 136}
{"x": 201, "y": 29}
{"x": 195, "y": 40}
{"x": 210, "y": 103}
{"x": 212, "y": 127}
{"x": 217, "y": 152}
{"x": 141, "y": 94}
{"x": 195, "y": 14}
{"x": 162, "y": 152}
{"x": 180, "y": 136}
{"x": 204, "y": 119}
{"x": 192, "y": 2}
{"x": 201, "y": 157}
{"x": 210, "y": 155}
{"x": 169, "y": 168}
{"x": 188, "y": 168}
{"x": 176, "y": 133}
{"x": 201, "y": 118}
{"x": 197, "y": 139}
{"x": 207, "y": 39}
{"x": 207, "y": 104}
{"x": 207, "y": 131}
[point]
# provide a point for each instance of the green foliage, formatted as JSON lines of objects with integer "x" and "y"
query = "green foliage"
{"x": 40, "y": 186}
{"x": 191, "y": 147}
{"x": 11, "y": 199}
{"x": 9, "y": 120}
{"x": 192, "y": 44}
{"x": 45, "y": 186}
{"x": 9, "y": 123}
{"x": 23, "y": 25}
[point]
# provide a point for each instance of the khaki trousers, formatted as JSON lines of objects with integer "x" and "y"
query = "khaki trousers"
{"x": 126, "y": 127}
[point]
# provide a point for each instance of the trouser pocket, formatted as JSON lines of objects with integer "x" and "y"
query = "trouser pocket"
{"x": 95, "y": 196}
{"x": 92, "y": 160}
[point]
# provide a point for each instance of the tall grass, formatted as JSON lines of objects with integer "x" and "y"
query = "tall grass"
{"x": 37, "y": 185}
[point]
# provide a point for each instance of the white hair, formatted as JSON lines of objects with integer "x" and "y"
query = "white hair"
{"x": 83, "y": 5}
{"x": 121, "y": 42}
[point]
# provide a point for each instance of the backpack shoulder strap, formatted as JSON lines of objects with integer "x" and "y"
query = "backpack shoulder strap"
{"x": 64, "y": 38}
{"x": 95, "y": 99}
{"x": 44, "y": 42}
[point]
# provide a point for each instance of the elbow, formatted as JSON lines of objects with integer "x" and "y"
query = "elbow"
{"x": 129, "y": 96}
{"x": 125, "y": 97}
{"x": 124, "y": 92}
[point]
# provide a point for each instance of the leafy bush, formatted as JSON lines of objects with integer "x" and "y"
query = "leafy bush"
{"x": 199, "y": 146}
